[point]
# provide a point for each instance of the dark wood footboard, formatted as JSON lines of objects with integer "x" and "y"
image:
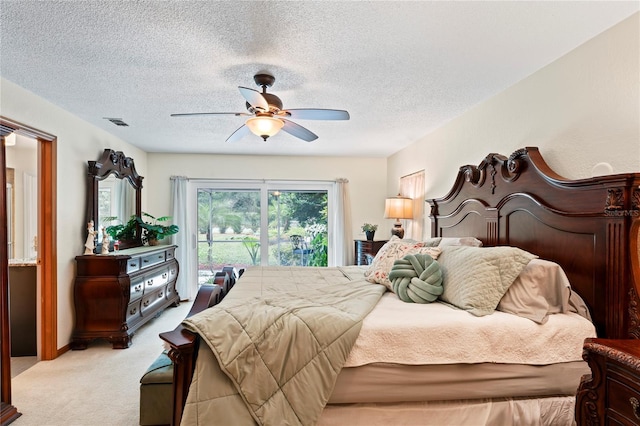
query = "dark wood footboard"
{"x": 184, "y": 343}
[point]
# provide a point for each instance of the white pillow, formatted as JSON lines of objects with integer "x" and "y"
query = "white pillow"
{"x": 394, "y": 249}
{"x": 459, "y": 241}
{"x": 541, "y": 289}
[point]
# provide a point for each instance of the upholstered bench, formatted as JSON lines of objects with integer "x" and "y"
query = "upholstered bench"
{"x": 156, "y": 390}
{"x": 157, "y": 383}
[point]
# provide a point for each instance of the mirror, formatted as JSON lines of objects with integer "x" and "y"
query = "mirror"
{"x": 114, "y": 190}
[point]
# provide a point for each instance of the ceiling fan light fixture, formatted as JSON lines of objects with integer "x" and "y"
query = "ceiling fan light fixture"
{"x": 264, "y": 126}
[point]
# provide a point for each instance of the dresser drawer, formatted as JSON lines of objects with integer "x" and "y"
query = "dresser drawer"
{"x": 152, "y": 259}
{"x": 170, "y": 254}
{"x": 149, "y": 301}
{"x": 133, "y": 264}
{"x": 156, "y": 279}
{"x": 133, "y": 311}
{"x": 170, "y": 290}
{"x": 137, "y": 285}
{"x": 623, "y": 400}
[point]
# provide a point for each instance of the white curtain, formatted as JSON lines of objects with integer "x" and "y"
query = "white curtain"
{"x": 412, "y": 186}
{"x": 124, "y": 199}
{"x": 187, "y": 288}
{"x": 343, "y": 231}
{"x": 128, "y": 200}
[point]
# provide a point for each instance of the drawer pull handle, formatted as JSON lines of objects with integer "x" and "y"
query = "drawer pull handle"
{"x": 635, "y": 404}
{"x": 133, "y": 265}
{"x": 146, "y": 303}
{"x": 150, "y": 282}
{"x": 132, "y": 311}
{"x": 138, "y": 288}
{"x": 160, "y": 295}
{"x": 164, "y": 276}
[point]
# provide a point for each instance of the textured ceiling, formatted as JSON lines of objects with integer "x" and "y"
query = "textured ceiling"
{"x": 401, "y": 69}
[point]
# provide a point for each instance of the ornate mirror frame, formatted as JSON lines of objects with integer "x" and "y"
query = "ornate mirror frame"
{"x": 122, "y": 167}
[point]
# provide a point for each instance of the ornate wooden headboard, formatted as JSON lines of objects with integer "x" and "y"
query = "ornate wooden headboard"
{"x": 589, "y": 226}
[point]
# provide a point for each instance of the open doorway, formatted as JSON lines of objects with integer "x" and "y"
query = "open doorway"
{"x": 22, "y": 248}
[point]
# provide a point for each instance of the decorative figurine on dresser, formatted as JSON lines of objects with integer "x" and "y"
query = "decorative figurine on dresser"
{"x": 117, "y": 292}
{"x": 89, "y": 246}
{"x": 105, "y": 241}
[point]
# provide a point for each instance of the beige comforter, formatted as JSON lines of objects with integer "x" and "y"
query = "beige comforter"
{"x": 274, "y": 358}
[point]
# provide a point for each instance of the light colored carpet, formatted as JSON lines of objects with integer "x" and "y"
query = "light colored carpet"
{"x": 20, "y": 364}
{"x": 98, "y": 386}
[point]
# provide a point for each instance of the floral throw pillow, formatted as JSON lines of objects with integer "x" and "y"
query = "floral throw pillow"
{"x": 394, "y": 249}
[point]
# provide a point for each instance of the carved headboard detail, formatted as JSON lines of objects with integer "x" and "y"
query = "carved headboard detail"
{"x": 589, "y": 226}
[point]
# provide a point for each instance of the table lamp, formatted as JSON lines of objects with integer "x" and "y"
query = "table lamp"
{"x": 398, "y": 208}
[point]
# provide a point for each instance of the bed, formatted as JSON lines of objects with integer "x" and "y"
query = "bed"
{"x": 464, "y": 371}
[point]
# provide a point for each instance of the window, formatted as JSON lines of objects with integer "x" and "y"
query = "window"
{"x": 276, "y": 223}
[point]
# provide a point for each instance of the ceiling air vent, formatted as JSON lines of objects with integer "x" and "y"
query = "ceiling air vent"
{"x": 6, "y": 130}
{"x": 117, "y": 121}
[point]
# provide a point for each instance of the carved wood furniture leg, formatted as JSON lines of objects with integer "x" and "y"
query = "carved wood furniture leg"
{"x": 184, "y": 347}
{"x": 589, "y": 402}
{"x": 120, "y": 342}
{"x": 78, "y": 344}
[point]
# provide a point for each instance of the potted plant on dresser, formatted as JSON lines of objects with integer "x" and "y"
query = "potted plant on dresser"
{"x": 369, "y": 230}
{"x": 123, "y": 234}
{"x": 154, "y": 229}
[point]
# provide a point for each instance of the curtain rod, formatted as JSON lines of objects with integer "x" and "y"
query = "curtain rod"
{"x": 411, "y": 174}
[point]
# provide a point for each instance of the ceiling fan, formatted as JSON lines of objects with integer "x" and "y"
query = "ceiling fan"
{"x": 268, "y": 117}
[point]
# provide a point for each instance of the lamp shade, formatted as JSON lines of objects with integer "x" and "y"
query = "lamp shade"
{"x": 398, "y": 208}
{"x": 264, "y": 126}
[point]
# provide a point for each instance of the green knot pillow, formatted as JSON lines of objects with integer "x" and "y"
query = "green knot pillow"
{"x": 416, "y": 278}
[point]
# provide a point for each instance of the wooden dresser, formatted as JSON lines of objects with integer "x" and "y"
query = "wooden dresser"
{"x": 363, "y": 247}
{"x": 611, "y": 395}
{"x": 118, "y": 292}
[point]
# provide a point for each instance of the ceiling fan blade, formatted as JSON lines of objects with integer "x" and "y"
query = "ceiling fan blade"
{"x": 316, "y": 114}
{"x": 298, "y": 131}
{"x": 237, "y": 114}
{"x": 254, "y": 98}
{"x": 240, "y": 132}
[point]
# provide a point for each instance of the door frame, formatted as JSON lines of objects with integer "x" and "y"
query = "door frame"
{"x": 47, "y": 237}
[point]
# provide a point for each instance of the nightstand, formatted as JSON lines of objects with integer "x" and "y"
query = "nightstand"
{"x": 363, "y": 247}
{"x": 611, "y": 395}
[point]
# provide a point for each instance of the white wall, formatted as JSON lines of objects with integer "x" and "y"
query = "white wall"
{"x": 77, "y": 143}
{"x": 367, "y": 179}
{"x": 580, "y": 110}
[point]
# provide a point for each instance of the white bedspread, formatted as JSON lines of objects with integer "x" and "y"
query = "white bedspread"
{"x": 448, "y": 335}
